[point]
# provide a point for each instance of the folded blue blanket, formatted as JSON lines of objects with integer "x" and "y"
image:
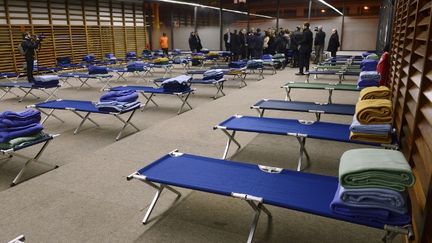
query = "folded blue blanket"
{"x": 179, "y": 79}
{"x": 46, "y": 78}
{"x": 379, "y": 129}
{"x": 213, "y": 74}
{"x": 17, "y": 128}
{"x": 126, "y": 95}
{"x": 237, "y": 64}
{"x": 374, "y": 197}
{"x": 48, "y": 84}
{"x": 97, "y": 70}
{"x": 26, "y": 131}
{"x": 370, "y": 75}
{"x": 367, "y": 83}
{"x": 368, "y": 68}
{"x": 115, "y": 106}
{"x": 371, "y": 214}
{"x": 255, "y": 64}
{"x": 10, "y": 118}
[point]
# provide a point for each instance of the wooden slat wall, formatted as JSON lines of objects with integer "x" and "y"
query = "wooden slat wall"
{"x": 72, "y": 28}
{"x": 411, "y": 74}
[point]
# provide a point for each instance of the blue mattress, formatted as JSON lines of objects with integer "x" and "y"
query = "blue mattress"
{"x": 225, "y": 71}
{"x": 324, "y": 72}
{"x": 339, "y": 109}
{"x": 83, "y": 75}
{"x": 278, "y": 126}
{"x": 147, "y": 89}
{"x": 8, "y": 75}
{"x": 298, "y": 191}
{"x": 77, "y": 105}
{"x": 26, "y": 85}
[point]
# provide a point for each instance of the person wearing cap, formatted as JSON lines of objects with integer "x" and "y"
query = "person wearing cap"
{"x": 319, "y": 44}
{"x": 305, "y": 49}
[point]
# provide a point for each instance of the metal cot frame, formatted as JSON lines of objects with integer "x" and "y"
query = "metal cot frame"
{"x": 183, "y": 96}
{"x": 104, "y": 78}
{"x": 28, "y": 90}
{"x": 9, "y": 153}
{"x": 330, "y": 90}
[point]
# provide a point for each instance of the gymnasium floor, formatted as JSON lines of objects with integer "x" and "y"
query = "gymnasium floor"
{"x": 88, "y": 198}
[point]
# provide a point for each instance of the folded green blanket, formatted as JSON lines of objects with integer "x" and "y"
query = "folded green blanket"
{"x": 375, "y": 168}
{"x": 21, "y": 140}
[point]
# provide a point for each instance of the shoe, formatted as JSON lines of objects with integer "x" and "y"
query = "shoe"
{"x": 299, "y": 74}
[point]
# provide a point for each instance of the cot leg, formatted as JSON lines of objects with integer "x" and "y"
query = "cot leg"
{"x": 340, "y": 78}
{"x": 219, "y": 87}
{"x": 65, "y": 81}
{"x": 148, "y": 99}
{"x": 26, "y": 94}
{"x": 152, "y": 204}
{"x": 52, "y": 94}
{"x": 84, "y": 82}
{"x": 125, "y": 124}
{"x": 318, "y": 116}
{"x": 257, "y": 208}
{"x": 48, "y": 115}
{"x": 288, "y": 91}
{"x": 330, "y": 96}
{"x": 260, "y": 74}
{"x": 6, "y": 91}
{"x": 184, "y": 102}
{"x": 84, "y": 118}
{"x": 21, "y": 172}
{"x": 107, "y": 83}
{"x": 302, "y": 142}
{"x": 242, "y": 81}
{"x": 231, "y": 138}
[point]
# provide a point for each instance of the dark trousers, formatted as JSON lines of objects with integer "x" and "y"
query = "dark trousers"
{"x": 304, "y": 60}
{"x": 333, "y": 54}
{"x": 228, "y": 46}
{"x": 244, "y": 53}
{"x": 165, "y": 51}
{"x": 295, "y": 58}
{"x": 29, "y": 68}
{"x": 250, "y": 53}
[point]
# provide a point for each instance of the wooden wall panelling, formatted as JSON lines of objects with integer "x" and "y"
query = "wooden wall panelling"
{"x": 140, "y": 27}
{"x": 396, "y": 56}
{"x": 94, "y": 45}
{"x": 47, "y": 51}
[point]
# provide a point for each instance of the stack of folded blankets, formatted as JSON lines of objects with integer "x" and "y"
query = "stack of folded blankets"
{"x": 255, "y": 64}
{"x": 373, "y": 186}
{"x": 368, "y": 65}
{"x": 237, "y": 64}
{"x": 131, "y": 55}
{"x": 46, "y": 80}
{"x": 135, "y": 66}
{"x": 177, "y": 84}
{"x": 212, "y": 55}
{"x": 373, "y": 116}
{"x": 118, "y": 101}
{"x": 368, "y": 79}
{"x": 161, "y": 60}
{"x": 372, "y": 56}
{"x": 213, "y": 74}
{"x": 94, "y": 70}
{"x": 18, "y": 128}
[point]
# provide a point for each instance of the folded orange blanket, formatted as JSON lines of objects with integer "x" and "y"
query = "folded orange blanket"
{"x": 373, "y": 138}
{"x": 381, "y": 92}
{"x": 377, "y": 111}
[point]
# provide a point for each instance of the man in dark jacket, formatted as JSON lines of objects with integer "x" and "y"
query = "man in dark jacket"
{"x": 319, "y": 45}
{"x": 251, "y": 43}
{"x": 258, "y": 44}
{"x": 295, "y": 38}
{"x": 30, "y": 45}
{"x": 333, "y": 43}
{"x": 228, "y": 39}
{"x": 235, "y": 46}
{"x": 243, "y": 43}
{"x": 305, "y": 49}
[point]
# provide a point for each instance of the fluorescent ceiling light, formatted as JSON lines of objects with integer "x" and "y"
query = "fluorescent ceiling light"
{"x": 216, "y": 8}
{"x": 330, "y": 6}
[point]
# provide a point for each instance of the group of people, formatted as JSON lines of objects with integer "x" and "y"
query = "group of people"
{"x": 253, "y": 44}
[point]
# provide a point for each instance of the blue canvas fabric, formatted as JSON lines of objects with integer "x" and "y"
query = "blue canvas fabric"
{"x": 97, "y": 70}
{"x": 127, "y": 95}
{"x": 147, "y": 89}
{"x": 299, "y": 191}
{"x": 78, "y": 105}
{"x": 214, "y": 74}
{"x": 237, "y": 64}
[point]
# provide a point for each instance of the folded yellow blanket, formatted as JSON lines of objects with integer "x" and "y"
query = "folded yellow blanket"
{"x": 373, "y": 138}
{"x": 381, "y": 92}
{"x": 160, "y": 60}
{"x": 212, "y": 54}
{"x": 376, "y": 111}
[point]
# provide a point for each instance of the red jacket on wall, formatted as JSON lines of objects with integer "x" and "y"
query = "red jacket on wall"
{"x": 383, "y": 69}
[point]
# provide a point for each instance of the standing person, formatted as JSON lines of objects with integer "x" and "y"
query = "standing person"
{"x": 319, "y": 45}
{"x": 198, "y": 40}
{"x": 228, "y": 39}
{"x": 29, "y": 45}
{"x": 251, "y": 43}
{"x": 193, "y": 44}
{"x": 333, "y": 43}
{"x": 266, "y": 42}
{"x": 295, "y": 38}
{"x": 235, "y": 45}
{"x": 163, "y": 42}
{"x": 243, "y": 43}
{"x": 259, "y": 43}
{"x": 305, "y": 49}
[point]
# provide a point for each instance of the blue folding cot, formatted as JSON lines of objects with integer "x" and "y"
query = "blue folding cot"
{"x": 300, "y": 129}
{"x": 28, "y": 88}
{"x": 85, "y": 77}
{"x": 145, "y": 90}
{"x": 239, "y": 74}
{"x": 300, "y": 106}
{"x": 256, "y": 184}
{"x": 218, "y": 84}
{"x": 87, "y": 107}
{"x": 9, "y": 76}
{"x": 19, "y": 239}
{"x": 9, "y": 153}
{"x": 123, "y": 71}
{"x": 167, "y": 68}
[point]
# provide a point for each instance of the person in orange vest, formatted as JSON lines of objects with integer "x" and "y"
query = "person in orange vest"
{"x": 163, "y": 42}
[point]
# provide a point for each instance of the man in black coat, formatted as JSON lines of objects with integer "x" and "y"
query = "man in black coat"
{"x": 258, "y": 44}
{"x": 243, "y": 43}
{"x": 305, "y": 49}
{"x": 235, "y": 45}
{"x": 228, "y": 39}
{"x": 319, "y": 45}
{"x": 295, "y": 38}
{"x": 333, "y": 43}
{"x": 30, "y": 45}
